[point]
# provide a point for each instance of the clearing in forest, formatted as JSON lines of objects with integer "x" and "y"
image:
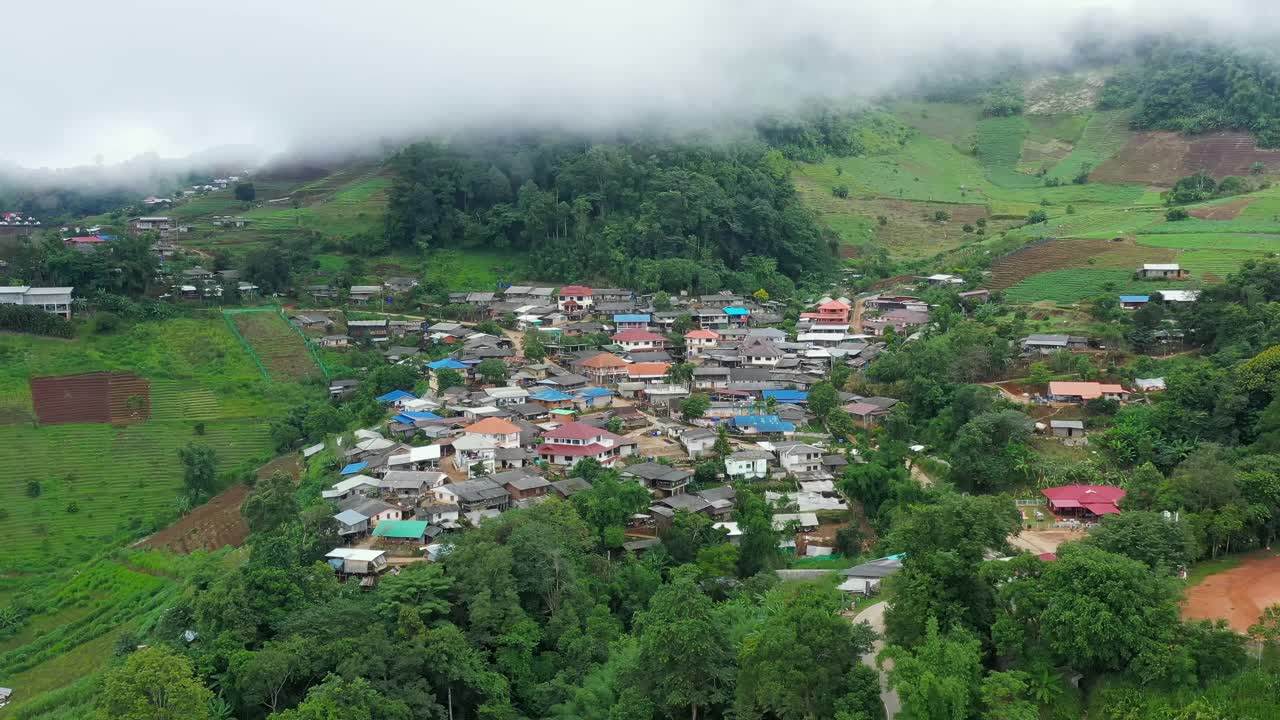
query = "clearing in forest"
{"x": 1238, "y": 595}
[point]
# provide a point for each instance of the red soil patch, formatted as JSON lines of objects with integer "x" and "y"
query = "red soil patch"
{"x": 1162, "y": 158}
{"x": 218, "y": 522}
{"x": 1238, "y": 595}
{"x": 91, "y": 398}
{"x": 1229, "y": 210}
{"x": 1042, "y": 257}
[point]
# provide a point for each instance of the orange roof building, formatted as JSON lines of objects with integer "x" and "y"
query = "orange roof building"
{"x": 492, "y": 426}
{"x": 1084, "y": 391}
{"x": 648, "y": 370}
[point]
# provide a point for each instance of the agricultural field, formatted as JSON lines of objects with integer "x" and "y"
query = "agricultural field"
{"x": 283, "y": 352}
{"x": 999, "y": 149}
{"x": 1080, "y": 284}
{"x": 1103, "y": 135}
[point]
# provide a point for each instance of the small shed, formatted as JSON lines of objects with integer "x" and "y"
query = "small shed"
{"x": 1070, "y": 432}
{"x": 401, "y": 530}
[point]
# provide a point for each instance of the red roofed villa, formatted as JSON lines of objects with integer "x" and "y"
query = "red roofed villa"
{"x": 831, "y": 311}
{"x": 1079, "y": 392}
{"x": 569, "y": 443}
{"x": 695, "y": 341}
{"x": 640, "y": 340}
{"x": 574, "y": 298}
{"x": 1084, "y": 502}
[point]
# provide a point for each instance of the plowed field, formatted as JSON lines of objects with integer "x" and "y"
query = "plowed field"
{"x": 1162, "y": 158}
{"x": 91, "y": 397}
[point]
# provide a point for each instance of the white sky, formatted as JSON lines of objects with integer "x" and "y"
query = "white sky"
{"x": 109, "y": 79}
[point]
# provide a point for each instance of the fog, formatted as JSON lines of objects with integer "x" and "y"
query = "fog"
{"x": 103, "y": 82}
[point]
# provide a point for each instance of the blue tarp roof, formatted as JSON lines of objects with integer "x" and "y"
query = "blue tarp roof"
{"x": 1135, "y": 298}
{"x": 446, "y": 364}
{"x": 408, "y": 417}
{"x": 551, "y": 396}
{"x": 787, "y": 396}
{"x": 354, "y": 468}
{"x": 594, "y": 392}
{"x": 763, "y": 423}
{"x": 631, "y": 318}
{"x": 736, "y": 311}
{"x": 395, "y": 395}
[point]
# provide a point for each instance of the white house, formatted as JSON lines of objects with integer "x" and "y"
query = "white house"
{"x": 495, "y": 431}
{"x": 796, "y": 457}
{"x": 344, "y": 489}
{"x": 423, "y": 457}
{"x": 747, "y": 465}
{"x": 632, "y": 340}
{"x": 698, "y": 441}
{"x": 569, "y": 443}
{"x": 474, "y": 450}
{"x": 53, "y": 300}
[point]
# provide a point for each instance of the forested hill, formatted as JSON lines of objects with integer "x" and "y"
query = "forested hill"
{"x": 640, "y": 213}
{"x": 1195, "y": 89}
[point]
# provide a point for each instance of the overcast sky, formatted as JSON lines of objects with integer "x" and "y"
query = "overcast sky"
{"x": 94, "y": 80}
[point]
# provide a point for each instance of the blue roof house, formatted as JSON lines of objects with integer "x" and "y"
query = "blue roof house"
{"x": 396, "y": 396}
{"x": 787, "y": 396}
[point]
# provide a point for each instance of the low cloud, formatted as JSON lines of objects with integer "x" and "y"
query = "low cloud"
{"x": 107, "y": 81}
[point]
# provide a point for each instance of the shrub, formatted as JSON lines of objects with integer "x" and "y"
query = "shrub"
{"x": 840, "y": 191}
{"x": 1176, "y": 214}
{"x": 27, "y": 319}
{"x": 105, "y": 322}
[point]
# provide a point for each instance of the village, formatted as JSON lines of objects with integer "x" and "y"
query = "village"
{"x": 687, "y": 401}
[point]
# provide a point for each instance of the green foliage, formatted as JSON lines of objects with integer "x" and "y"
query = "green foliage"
{"x": 1003, "y": 101}
{"x": 694, "y": 407}
{"x": 199, "y": 469}
{"x": 27, "y": 319}
{"x": 826, "y": 131}
{"x": 1176, "y": 215}
{"x": 1200, "y": 88}
{"x": 245, "y": 192}
{"x": 153, "y": 684}
{"x": 492, "y": 370}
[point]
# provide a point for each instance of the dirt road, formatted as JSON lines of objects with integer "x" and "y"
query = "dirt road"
{"x": 855, "y": 317}
{"x": 874, "y": 616}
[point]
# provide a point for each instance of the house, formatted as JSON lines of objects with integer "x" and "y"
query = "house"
{"x": 575, "y": 299}
{"x": 738, "y": 316}
{"x": 1070, "y": 432}
{"x": 363, "y": 294}
{"x": 650, "y": 372}
{"x": 1133, "y": 302}
{"x": 940, "y": 280}
{"x": 351, "y": 523}
{"x": 53, "y": 300}
{"x": 663, "y": 479}
{"x": 1178, "y": 296}
{"x": 1048, "y": 344}
{"x": 312, "y": 321}
{"x": 759, "y": 351}
{"x": 592, "y": 397}
{"x": 603, "y": 368}
{"x": 367, "y": 329}
{"x": 870, "y": 412}
{"x": 402, "y": 531}
{"x": 373, "y": 508}
{"x": 1149, "y": 384}
{"x": 1162, "y": 271}
{"x": 411, "y": 484}
{"x": 710, "y": 318}
{"x": 570, "y": 486}
{"x": 747, "y": 465}
{"x": 357, "y": 562}
{"x": 975, "y": 296}
{"x": 698, "y": 441}
{"x": 566, "y": 383}
{"x": 397, "y": 285}
{"x": 438, "y": 513}
{"x": 477, "y": 499}
{"x": 632, "y": 322}
{"x": 1084, "y": 502}
{"x": 553, "y": 399}
{"x": 865, "y": 579}
{"x": 640, "y": 340}
{"x": 84, "y": 243}
{"x": 834, "y": 312}
{"x": 505, "y": 396}
{"x": 696, "y": 341}
{"x": 899, "y": 320}
{"x": 1080, "y": 392}
{"x": 801, "y": 521}
{"x": 794, "y": 397}
{"x": 395, "y": 398}
{"x": 335, "y": 341}
{"x": 797, "y": 458}
{"x": 343, "y": 388}
{"x": 152, "y": 224}
{"x": 612, "y": 295}
{"x": 399, "y": 353}
{"x": 322, "y": 292}
{"x": 471, "y": 451}
{"x": 569, "y": 443}
{"x": 497, "y": 432}
{"x": 350, "y": 487}
{"x": 525, "y": 486}
{"x": 761, "y": 425}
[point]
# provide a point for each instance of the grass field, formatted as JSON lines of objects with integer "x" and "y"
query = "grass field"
{"x": 281, "y": 350}
{"x": 999, "y": 149}
{"x": 1213, "y": 241}
{"x": 1102, "y": 136}
{"x": 1079, "y": 284}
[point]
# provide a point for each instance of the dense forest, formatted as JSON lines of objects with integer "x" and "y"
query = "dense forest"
{"x": 1198, "y": 89}
{"x": 687, "y": 215}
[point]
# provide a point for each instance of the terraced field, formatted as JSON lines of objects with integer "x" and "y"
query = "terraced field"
{"x": 1080, "y": 284}
{"x": 1104, "y": 134}
{"x": 76, "y": 489}
{"x": 281, "y": 350}
{"x": 1000, "y": 148}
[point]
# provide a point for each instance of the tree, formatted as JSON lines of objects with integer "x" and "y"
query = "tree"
{"x": 823, "y": 398}
{"x": 680, "y": 374}
{"x": 758, "y": 546}
{"x": 447, "y": 378}
{"x": 492, "y": 370}
{"x": 661, "y": 301}
{"x": 688, "y": 534}
{"x": 942, "y": 216}
{"x": 268, "y": 268}
{"x": 685, "y": 660}
{"x": 990, "y": 451}
{"x": 534, "y": 348}
{"x": 841, "y": 191}
{"x": 614, "y": 425}
{"x": 801, "y": 662}
{"x": 722, "y": 448}
{"x": 608, "y": 505}
{"x": 271, "y": 504}
{"x": 940, "y": 677}
{"x": 245, "y": 192}
{"x": 1039, "y": 374}
{"x": 338, "y": 697}
{"x": 849, "y": 541}
{"x": 1037, "y": 216}
{"x": 761, "y": 295}
{"x": 694, "y": 407}
{"x": 153, "y": 684}
{"x": 1176, "y": 214}
{"x": 199, "y": 469}
{"x": 1147, "y": 537}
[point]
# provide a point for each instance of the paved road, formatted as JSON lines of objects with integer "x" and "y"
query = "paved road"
{"x": 874, "y": 616}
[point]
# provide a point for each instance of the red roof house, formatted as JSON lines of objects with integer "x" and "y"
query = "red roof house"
{"x": 1084, "y": 502}
{"x": 1084, "y": 391}
{"x": 569, "y": 443}
{"x": 831, "y": 311}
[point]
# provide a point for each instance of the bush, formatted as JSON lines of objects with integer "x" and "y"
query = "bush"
{"x": 840, "y": 191}
{"x": 105, "y": 322}
{"x": 1037, "y": 216}
{"x": 27, "y": 319}
{"x": 1176, "y": 214}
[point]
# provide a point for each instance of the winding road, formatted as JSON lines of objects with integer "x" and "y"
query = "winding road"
{"x": 874, "y": 616}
